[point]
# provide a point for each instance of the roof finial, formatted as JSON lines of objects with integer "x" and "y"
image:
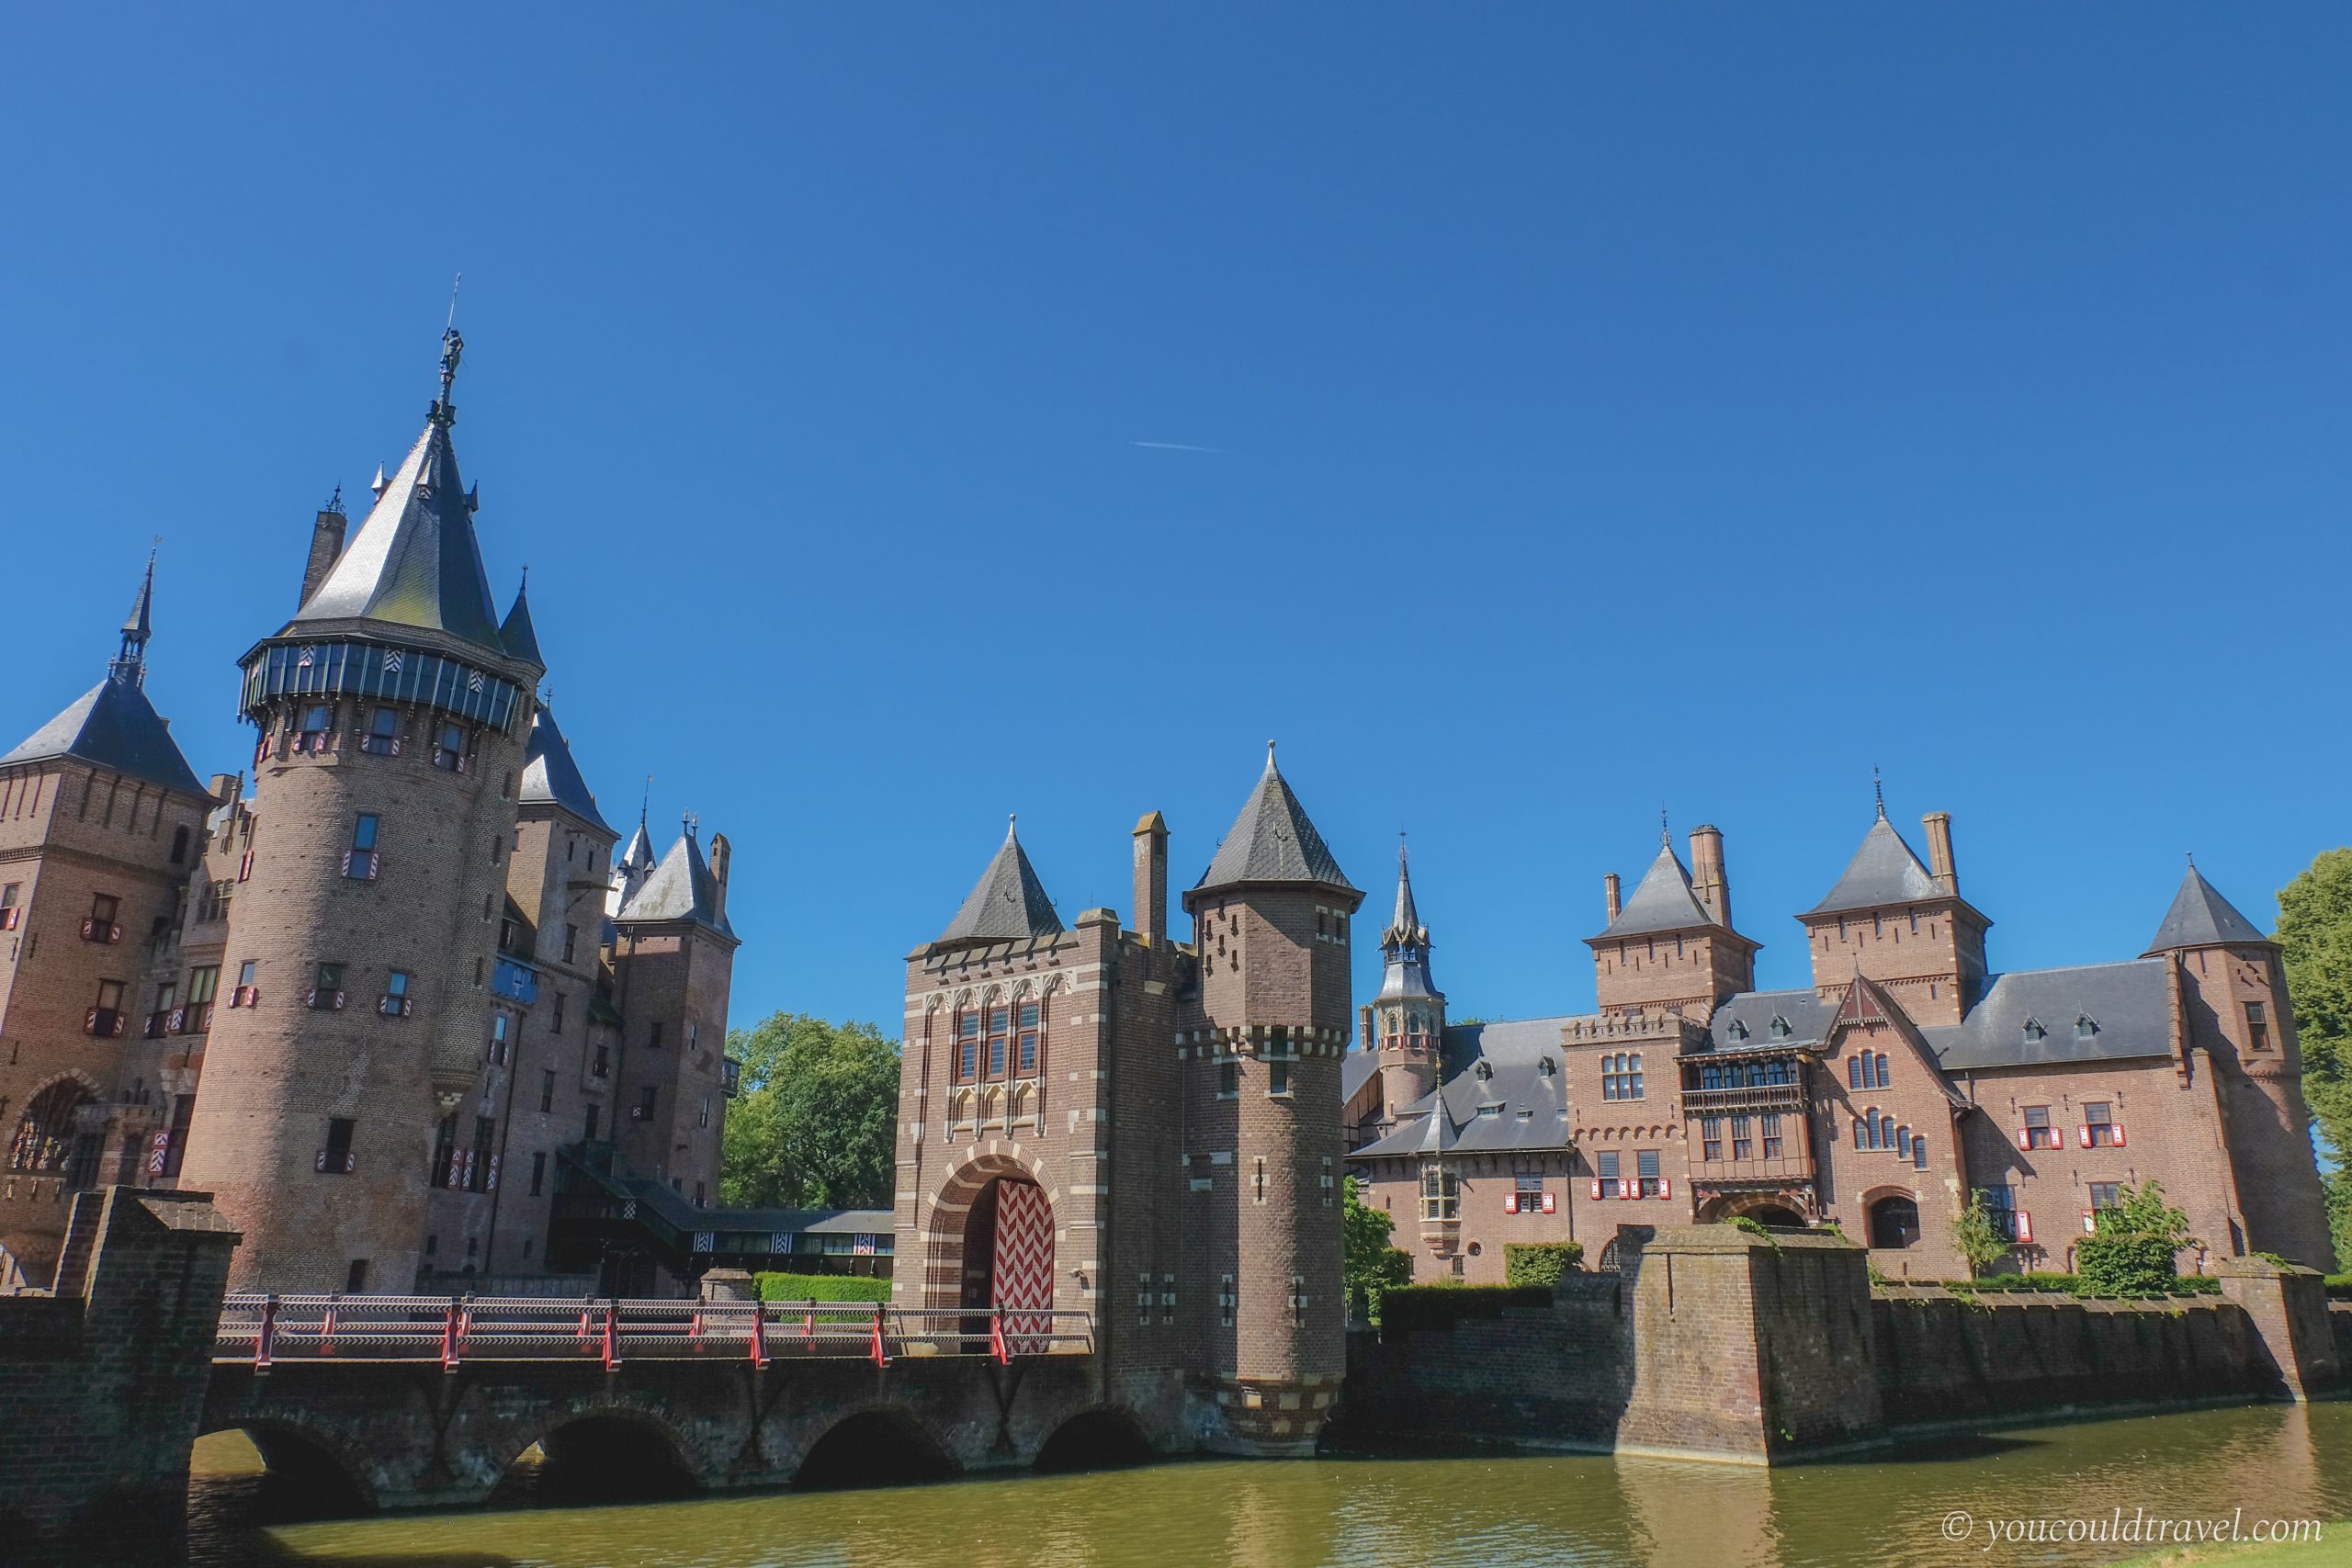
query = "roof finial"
{"x": 1270, "y": 756}
{"x": 645, "y": 802}
{"x": 335, "y": 502}
{"x": 1401, "y": 846}
{"x": 1878, "y": 790}
{"x": 1012, "y": 821}
{"x": 453, "y": 348}
{"x": 2192, "y": 860}
{"x": 1664, "y": 836}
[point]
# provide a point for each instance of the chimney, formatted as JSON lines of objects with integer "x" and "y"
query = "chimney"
{"x": 227, "y": 787}
{"x": 1363, "y": 1026}
{"x": 326, "y": 544}
{"x": 1609, "y": 894}
{"x": 1151, "y": 879}
{"x": 1707, "y": 877}
{"x": 721, "y": 852}
{"x": 1939, "y": 866}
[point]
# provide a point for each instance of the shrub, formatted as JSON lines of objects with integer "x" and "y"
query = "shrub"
{"x": 2340, "y": 1287}
{"x": 2133, "y": 1250}
{"x": 1540, "y": 1263}
{"x": 1976, "y": 1238}
{"x": 823, "y": 1288}
{"x": 1444, "y": 1305}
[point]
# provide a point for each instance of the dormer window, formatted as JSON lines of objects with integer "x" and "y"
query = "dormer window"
{"x": 1738, "y": 1031}
{"x": 1490, "y": 1111}
{"x": 1780, "y": 1028}
{"x": 1545, "y": 1066}
{"x": 1483, "y": 1071}
{"x": 2085, "y": 1027}
{"x": 2034, "y": 1032}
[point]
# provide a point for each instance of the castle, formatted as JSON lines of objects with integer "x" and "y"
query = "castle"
{"x": 1909, "y": 1078}
{"x": 393, "y": 1000}
{"x": 1108, "y": 1121}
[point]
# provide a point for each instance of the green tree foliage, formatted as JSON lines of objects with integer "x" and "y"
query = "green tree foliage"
{"x": 1371, "y": 1264}
{"x": 1540, "y": 1262}
{"x": 2132, "y": 1250}
{"x": 2315, "y": 930}
{"x": 814, "y": 1124}
{"x": 1976, "y": 1238}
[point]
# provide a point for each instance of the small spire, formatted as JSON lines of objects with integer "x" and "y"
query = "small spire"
{"x": 2192, "y": 860}
{"x": 645, "y": 801}
{"x": 130, "y": 666}
{"x": 1012, "y": 821}
{"x": 1878, "y": 791}
{"x": 380, "y": 483}
{"x": 1270, "y": 758}
{"x": 1665, "y": 835}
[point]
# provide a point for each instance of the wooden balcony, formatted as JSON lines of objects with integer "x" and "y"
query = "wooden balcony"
{"x": 1745, "y": 1098}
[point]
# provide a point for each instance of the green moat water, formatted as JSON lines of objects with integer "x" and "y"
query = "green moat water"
{"x": 1587, "y": 1511}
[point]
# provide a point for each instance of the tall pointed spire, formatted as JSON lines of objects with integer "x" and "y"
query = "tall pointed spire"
{"x": 1405, "y": 945}
{"x": 1271, "y": 840}
{"x": 130, "y": 666}
{"x": 516, "y": 632}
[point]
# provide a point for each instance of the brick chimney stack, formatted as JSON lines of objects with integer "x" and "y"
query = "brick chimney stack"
{"x": 1609, "y": 895}
{"x": 1939, "y": 863}
{"x": 721, "y": 854}
{"x": 1152, "y": 878}
{"x": 1708, "y": 878}
{"x": 326, "y": 544}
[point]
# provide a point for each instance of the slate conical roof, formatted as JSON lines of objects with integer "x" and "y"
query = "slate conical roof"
{"x": 414, "y": 562}
{"x": 680, "y": 888}
{"x": 551, "y": 778}
{"x": 1882, "y": 872}
{"x": 1008, "y": 903}
{"x": 1404, "y": 926}
{"x": 638, "y": 856}
{"x": 2201, "y": 917}
{"x": 1662, "y": 902}
{"x": 1405, "y": 945}
{"x": 516, "y": 634}
{"x": 1273, "y": 840}
{"x": 113, "y": 726}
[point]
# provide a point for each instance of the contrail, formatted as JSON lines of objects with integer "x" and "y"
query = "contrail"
{"x": 1177, "y": 447}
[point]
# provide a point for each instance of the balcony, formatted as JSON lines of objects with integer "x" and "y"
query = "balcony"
{"x": 1783, "y": 1167}
{"x": 1746, "y": 1097}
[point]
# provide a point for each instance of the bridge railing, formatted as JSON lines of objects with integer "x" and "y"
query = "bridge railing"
{"x": 264, "y": 1330}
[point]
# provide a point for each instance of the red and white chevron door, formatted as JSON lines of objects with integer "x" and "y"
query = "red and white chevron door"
{"x": 1024, "y": 1264}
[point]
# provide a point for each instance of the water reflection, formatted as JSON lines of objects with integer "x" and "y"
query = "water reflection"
{"x": 1586, "y": 1511}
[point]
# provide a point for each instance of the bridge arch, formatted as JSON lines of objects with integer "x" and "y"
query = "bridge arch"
{"x": 1105, "y": 1437}
{"x": 603, "y": 1452}
{"x": 310, "y": 1472}
{"x": 882, "y": 1444}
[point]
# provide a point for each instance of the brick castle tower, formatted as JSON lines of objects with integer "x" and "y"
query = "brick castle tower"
{"x": 394, "y": 710}
{"x": 1270, "y": 928}
{"x": 1407, "y": 1021}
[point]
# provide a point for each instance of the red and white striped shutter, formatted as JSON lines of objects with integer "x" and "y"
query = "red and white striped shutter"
{"x": 1551, "y": 1204}
{"x": 2090, "y": 1220}
{"x": 1511, "y": 1203}
{"x": 2118, "y": 1132}
{"x": 2025, "y": 1138}
{"x": 1596, "y": 1186}
{"x": 1666, "y": 1186}
{"x": 2087, "y": 1134}
{"x": 1628, "y": 1187}
{"x": 2025, "y": 1227}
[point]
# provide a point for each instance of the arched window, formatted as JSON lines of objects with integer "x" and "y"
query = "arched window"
{"x": 1862, "y": 1132}
{"x": 1918, "y": 1151}
{"x": 1903, "y": 1143}
{"x": 1881, "y": 1070}
{"x": 1032, "y": 1029}
{"x": 1886, "y": 1132}
{"x": 1853, "y": 1072}
{"x": 46, "y": 1140}
{"x": 1000, "y": 1023}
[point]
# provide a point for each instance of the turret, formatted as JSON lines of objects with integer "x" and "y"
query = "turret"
{"x": 1904, "y": 924}
{"x": 392, "y": 717}
{"x": 1409, "y": 1015}
{"x": 1271, "y": 924}
{"x": 1670, "y": 947}
{"x": 2230, "y": 984}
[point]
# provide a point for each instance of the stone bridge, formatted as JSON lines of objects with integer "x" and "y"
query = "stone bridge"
{"x": 644, "y": 1399}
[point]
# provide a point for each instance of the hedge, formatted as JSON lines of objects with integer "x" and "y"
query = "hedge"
{"x": 1540, "y": 1263}
{"x": 2075, "y": 1285}
{"x": 2340, "y": 1287}
{"x": 823, "y": 1288}
{"x": 1407, "y": 1307}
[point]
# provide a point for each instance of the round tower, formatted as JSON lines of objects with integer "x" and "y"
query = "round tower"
{"x": 1271, "y": 919}
{"x": 1408, "y": 1016}
{"x": 393, "y": 719}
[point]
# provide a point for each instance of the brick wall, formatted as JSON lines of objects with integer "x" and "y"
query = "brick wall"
{"x": 104, "y": 1384}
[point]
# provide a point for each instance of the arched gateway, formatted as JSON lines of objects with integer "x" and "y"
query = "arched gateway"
{"x": 991, "y": 1245}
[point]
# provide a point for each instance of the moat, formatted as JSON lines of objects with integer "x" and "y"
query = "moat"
{"x": 1889, "y": 1508}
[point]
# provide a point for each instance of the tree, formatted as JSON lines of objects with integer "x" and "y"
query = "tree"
{"x": 2315, "y": 933}
{"x": 2133, "y": 1248}
{"x": 815, "y": 1124}
{"x": 1978, "y": 1239}
{"x": 1369, "y": 1263}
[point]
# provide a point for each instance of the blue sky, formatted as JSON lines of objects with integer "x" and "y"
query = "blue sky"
{"x": 1602, "y": 412}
